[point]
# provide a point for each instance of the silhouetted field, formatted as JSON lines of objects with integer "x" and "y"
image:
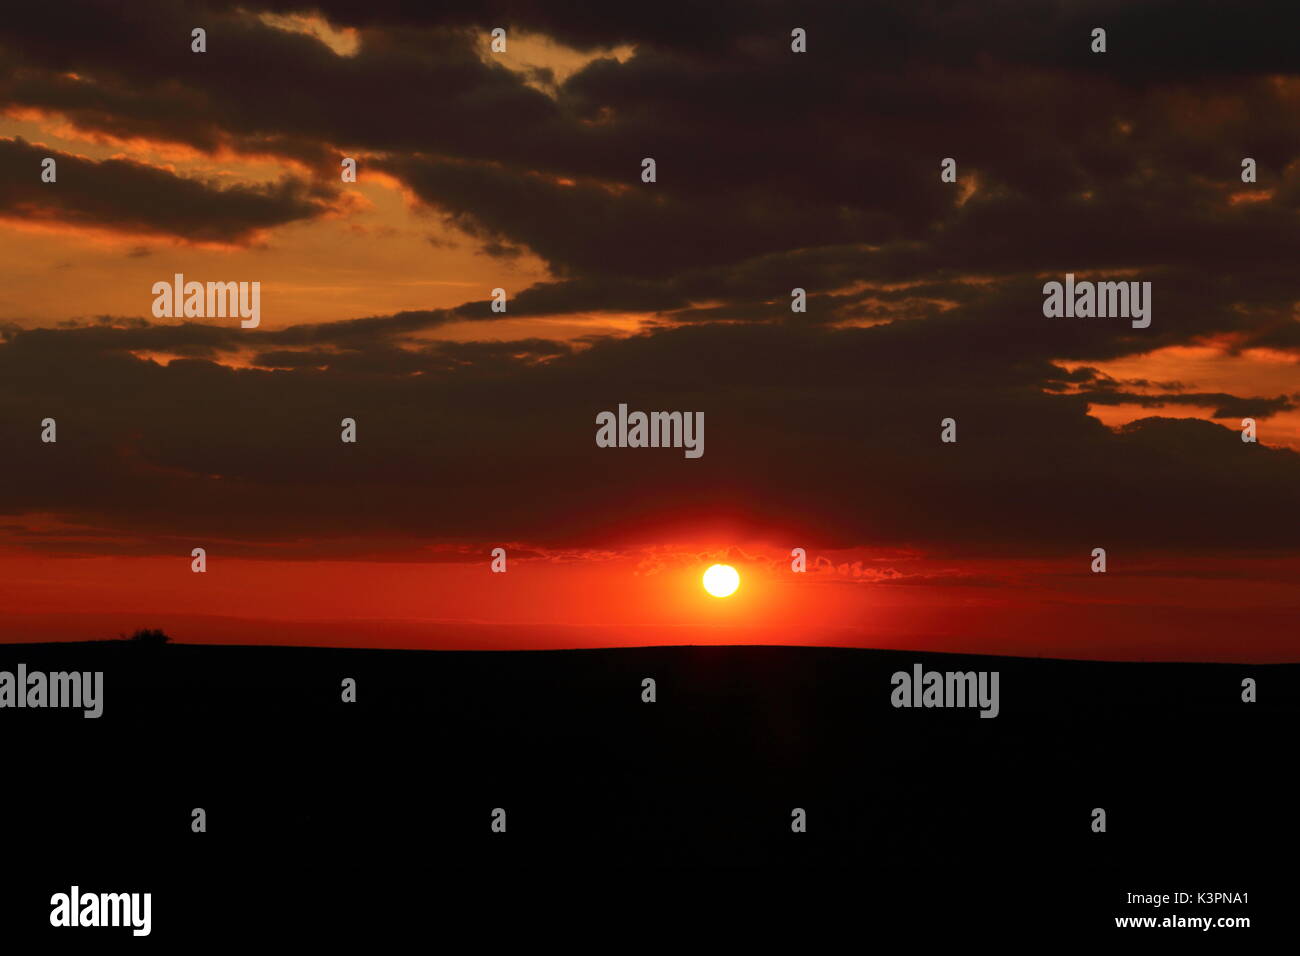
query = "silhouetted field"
{"x": 320, "y": 810}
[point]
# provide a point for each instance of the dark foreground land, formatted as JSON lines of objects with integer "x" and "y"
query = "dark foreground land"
{"x": 368, "y": 816}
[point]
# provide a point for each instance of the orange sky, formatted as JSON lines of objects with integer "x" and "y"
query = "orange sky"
{"x": 1016, "y": 607}
{"x": 381, "y": 250}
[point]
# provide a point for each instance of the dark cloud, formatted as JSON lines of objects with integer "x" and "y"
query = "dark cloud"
{"x": 1224, "y": 405}
{"x": 775, "y": 171}
{"x": 125, "y": 196}
{"x": 762, "y": 154}
{"x": 825, "y": 437}
{"x": 262, "y": 89}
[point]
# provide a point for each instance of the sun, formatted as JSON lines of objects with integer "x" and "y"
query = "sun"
{"x": 721, "y": 580}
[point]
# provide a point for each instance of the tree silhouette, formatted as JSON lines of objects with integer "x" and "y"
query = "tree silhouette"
{"x": 150, "y": 637}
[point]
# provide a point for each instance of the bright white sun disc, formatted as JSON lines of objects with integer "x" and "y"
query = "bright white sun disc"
{"x": 721, "y": 580}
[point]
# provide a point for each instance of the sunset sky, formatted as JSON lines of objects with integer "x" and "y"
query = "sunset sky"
{"x": 775, "y": 170}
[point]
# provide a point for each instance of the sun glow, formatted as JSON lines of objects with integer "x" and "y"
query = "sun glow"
{"x": 721, "y": 580}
